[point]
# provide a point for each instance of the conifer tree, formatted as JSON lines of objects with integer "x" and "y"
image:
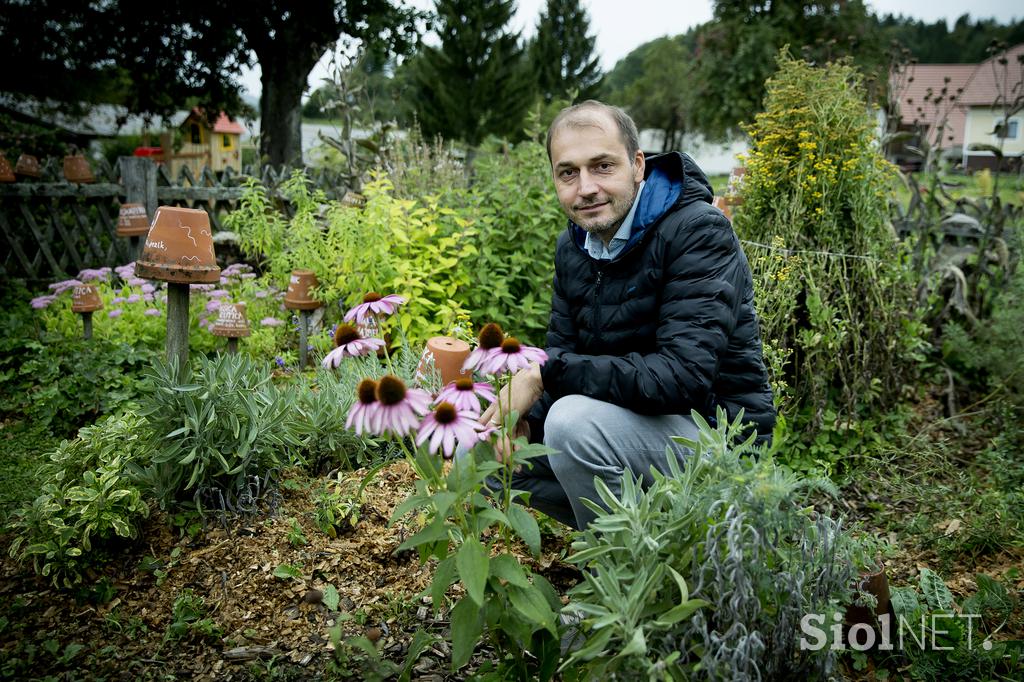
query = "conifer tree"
{"x": 562, "y": 54}
{"x": 476, "y": 83}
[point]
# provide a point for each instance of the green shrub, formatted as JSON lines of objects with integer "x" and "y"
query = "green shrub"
{"x": 88, "y": 501}
{"x": 59, "y": 382}
{"x": 483, "y": 253}
{"x": 834, "y": 286}
{"x": 389, "y": 245}
{"x": 707, "y": 573}
{"x": 518, "y": 221}
{"x": 209, "y": 434}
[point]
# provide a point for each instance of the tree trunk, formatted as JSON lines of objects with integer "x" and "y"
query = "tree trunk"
{"x": 283, "y": 80}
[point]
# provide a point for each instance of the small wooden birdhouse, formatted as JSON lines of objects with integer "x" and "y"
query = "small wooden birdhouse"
{"x": 216, "y": 146}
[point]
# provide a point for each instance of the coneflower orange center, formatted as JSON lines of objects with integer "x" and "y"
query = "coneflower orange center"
{"x": 371, "y": 297}
{"x": 464, "y": 384}
{"x": 510, "y": 345}
{"x": 390, "y": 390}
{"x": 445, "y": 413}
{"x": 345, "y": 333}
{"x": 491, "y": 336}
{"x": 367, "y": 391}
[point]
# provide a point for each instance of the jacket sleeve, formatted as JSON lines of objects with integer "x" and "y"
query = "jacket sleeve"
{"x": 704, "y": 271}
{"x": 561, "y": 337}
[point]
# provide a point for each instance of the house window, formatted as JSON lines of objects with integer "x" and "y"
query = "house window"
{"x": 1008, "y": 129}
{"x": 196, "y": 133}
{"x": 225, "y": 141}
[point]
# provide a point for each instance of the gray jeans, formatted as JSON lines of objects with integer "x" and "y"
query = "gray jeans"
{"x": 595, "y": 438}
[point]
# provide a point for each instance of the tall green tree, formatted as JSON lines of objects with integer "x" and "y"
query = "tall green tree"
{"x": 156, "y": 57}
{"x": 562, "y": 54}
{"x": 477, "y": 82}
{"x": 656, "y": 99}
{"x": 736, "y": 51}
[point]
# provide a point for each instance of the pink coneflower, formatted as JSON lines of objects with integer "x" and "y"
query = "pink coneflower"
{"x": 374, "y": 304}
{"x": 490, "y": 338}
{"x": 349, "y": 343}
{"x": 446, "y": 425}
{"x": 399, "y": 407}
{"x": 512, "y": 356}
{"x": 360, "y": 416}
{"x": 465, "y": 394}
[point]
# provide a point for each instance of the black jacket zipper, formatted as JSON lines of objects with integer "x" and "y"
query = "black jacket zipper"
{"x": 597, "y": 303}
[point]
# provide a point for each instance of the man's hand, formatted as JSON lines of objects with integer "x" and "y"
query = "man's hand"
{"x": 525, "y": 388}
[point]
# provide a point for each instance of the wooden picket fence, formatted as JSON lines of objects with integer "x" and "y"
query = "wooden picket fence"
{"x": 52, "y": 229}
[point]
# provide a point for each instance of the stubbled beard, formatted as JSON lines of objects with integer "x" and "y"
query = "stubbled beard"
{"x": 614, "y": 223}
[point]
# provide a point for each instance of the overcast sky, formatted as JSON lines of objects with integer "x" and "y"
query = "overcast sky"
{"x": 622, "y": 26}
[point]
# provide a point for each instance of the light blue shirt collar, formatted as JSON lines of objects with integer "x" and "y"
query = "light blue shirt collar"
{"x": 597, "y": 248}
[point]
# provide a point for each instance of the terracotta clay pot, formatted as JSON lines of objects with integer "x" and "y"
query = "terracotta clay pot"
{"x": 132, "y": 221}
{"x": 6, "y": 172}
{"x": 85, "y": 298}
{"x": 876, "y": 584}
{"x": 28, "y": 166}
{"x": 722, "y": 205}
{"x": 445, "y": 355}
{"x": 179, "y": 248}
{"x": 77, "y": 169}
{"x": 298, "y": 295}
{"x": 231, "y": 321}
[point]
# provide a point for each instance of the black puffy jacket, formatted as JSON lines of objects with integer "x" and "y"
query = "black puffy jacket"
{"x": 666, "y": 326}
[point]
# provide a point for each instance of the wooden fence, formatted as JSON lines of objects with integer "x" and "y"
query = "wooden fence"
{"x": 52, "y": 229}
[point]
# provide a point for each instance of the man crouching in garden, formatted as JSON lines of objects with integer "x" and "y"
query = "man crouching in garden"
{"x": 652, "y": 316}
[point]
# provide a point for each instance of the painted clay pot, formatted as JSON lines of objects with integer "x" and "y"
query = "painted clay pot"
{"x": 132, "y": 221}
{"x": 445, "y": 355}
{"x": 28, "y": 166}
{"x": 298, "y": 295}
{"x": 179, "y": 248}
{"x": 6, "y": 172}
{"x": 369, "y": 329}
{"x": 77, "y": 169}
{"x": 85, "y": 298}
{"x": 231, "y": 321}
{"x": 876, "y": 584}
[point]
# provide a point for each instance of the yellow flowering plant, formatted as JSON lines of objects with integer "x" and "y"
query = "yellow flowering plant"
{"x": 834, "y": 290}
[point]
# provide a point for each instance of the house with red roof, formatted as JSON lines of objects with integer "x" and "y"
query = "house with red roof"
{"x": 197, "y": 143}
{"x": 957, "y": 106}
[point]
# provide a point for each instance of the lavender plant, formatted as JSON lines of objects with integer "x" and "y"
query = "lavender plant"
{"x": 707, "y": 573}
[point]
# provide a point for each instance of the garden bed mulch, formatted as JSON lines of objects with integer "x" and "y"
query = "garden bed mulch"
{"x": 265, "y": 621}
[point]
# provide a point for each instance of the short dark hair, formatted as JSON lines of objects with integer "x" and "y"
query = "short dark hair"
{"x": 627, "y": 128}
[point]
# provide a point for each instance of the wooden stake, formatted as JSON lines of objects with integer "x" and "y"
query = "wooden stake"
{"x": 87, "y": 324}
{"x": 232, "y": 346}
{"x": 177, "y": 323}
{"x": 303, "y": 338}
